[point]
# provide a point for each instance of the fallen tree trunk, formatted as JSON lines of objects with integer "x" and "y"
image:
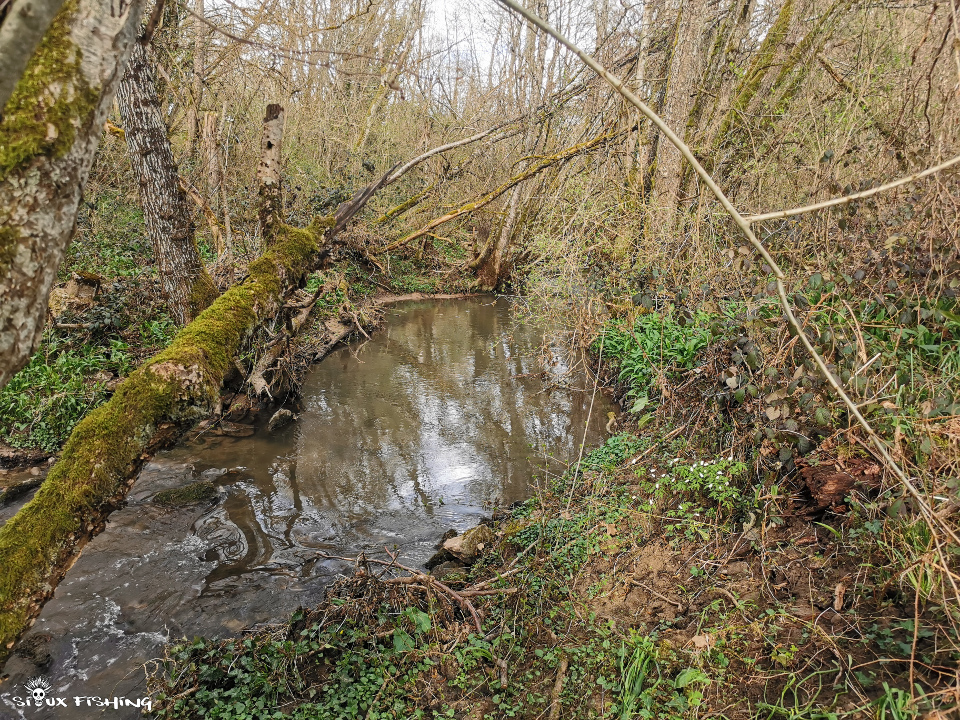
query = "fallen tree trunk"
{"x": 174, "y": 389}
{"x": 149, "y": 409}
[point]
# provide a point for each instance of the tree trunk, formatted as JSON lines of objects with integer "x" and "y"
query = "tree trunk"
{"x": 49, "y": 133}
{"x": 489, "y": 274}
{"x": 678, "y": 103}
{"x": 21, "y": 30}
{"x": 211, "y": 157}
{"x": 196, "y": 90}
{"x": 268, "y": 174}
{"x": 166, "y": 212}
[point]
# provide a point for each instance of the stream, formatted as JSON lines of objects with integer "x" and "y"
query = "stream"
{"x": 439, "y": 418}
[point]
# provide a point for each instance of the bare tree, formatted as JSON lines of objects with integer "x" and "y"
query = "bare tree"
{"x": 678, "y": 103}
{"x": 49, "y": 134}
{"x": 166, "y": 211}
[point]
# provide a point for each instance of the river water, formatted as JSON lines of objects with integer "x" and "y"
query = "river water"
{"x": 441, "y": 417}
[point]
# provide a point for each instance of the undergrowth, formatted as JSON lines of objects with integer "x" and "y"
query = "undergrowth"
{"x": 61, "y": 383}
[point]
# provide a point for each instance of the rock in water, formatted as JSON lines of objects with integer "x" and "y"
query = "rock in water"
{"x": 468, "y": 546}
{"x": 281, "y": 418}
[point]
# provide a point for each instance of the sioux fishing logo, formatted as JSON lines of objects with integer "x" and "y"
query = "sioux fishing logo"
{"x": 38, "y": 688}
{"x": 39, "y": 695}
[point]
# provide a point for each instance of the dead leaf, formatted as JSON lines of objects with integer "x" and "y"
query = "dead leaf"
{"x": 701, "y": 642}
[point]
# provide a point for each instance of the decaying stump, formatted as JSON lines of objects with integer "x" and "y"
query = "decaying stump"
{"x": 830, "y": 483}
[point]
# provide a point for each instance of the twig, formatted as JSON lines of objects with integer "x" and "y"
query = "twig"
{"x": 669, "y": 436}
{"x": 678, "y": 605}
{"x": 557, "y": 689}
{"x": 500, "y": 576}
{"x": 728, "y": 595}
{"x": 461, "y": 600}
{"x": 932, "y": 520}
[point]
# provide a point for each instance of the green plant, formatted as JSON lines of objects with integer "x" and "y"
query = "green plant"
{"x": 895, "y": 704}
{"x": 703, "y": 488}
{"x": 635, "y": 700}
{"x": 60, "y": 384}
{"x": 655, "y": 345}
{"x": 159, "y": 331}
{"x": 613, "y": 452}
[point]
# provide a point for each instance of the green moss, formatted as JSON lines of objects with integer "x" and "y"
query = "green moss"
{"x": 41, "y": 117}
{"x": 202, "y": 294}
{"x": 105, "y": 447}
{"x": 186, "y": 495}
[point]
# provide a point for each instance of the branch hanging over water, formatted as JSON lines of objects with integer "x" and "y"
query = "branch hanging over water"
{"x": 535, "y": 169}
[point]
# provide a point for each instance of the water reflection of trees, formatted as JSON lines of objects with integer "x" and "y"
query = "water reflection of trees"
{"x": 444, "y": 403}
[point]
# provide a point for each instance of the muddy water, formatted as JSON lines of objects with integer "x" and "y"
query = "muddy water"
{"x": 440, "y": 417}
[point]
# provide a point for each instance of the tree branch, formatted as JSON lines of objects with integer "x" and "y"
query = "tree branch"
{"x": 932, "y": 520}
{"x": 856, "y": 196}
{"x": 534, "y": 169}
{"x": 20, "y": 34}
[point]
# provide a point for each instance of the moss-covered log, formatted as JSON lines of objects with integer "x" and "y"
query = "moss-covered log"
{"x": 170, "y": 391}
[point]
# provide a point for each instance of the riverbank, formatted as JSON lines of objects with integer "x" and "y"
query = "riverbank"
{"x": 734, "y": 551}
{"x": 654, "y": 582}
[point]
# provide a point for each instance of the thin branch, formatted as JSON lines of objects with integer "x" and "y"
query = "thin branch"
{"x": 484, "y": 200}
{"x": 437, "y": 150}
{"x": 932, "y": 520}
{"x": 856, "y": 196}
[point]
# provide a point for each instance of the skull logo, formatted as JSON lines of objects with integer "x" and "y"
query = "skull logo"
{"x": 38, "y": 688}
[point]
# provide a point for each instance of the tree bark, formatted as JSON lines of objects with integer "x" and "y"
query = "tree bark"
{"x": 21, "y": 30}
{"x": 682, "y": 79}
{"x": 49, "y": 133}
{"x": 268, "y": 174}
{"x": 166, "y": 212}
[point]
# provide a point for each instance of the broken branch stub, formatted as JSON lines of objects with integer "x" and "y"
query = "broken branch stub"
{"x": 270, "y": 211}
